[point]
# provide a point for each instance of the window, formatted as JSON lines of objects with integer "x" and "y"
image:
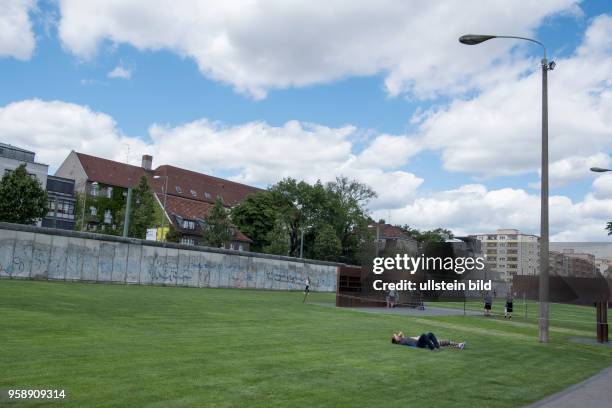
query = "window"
{"x": 93, "y": 210}
{"x": 193, "y": 193}
{"x": 94, "y": 189}
{"x": 188, "y": 224}
{"x": 108, "y": 217}
{"x": 178, "y": 189}
{"x": 64, "y": 209}
{"x": 220, "y": 197}
{"x": 109, "y": 192}
{"x": 187, "y": 241}
{"x": 240, "y": 248}
{"x": 207, "y": 195}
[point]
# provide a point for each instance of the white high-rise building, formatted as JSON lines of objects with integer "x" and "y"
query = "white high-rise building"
{"x": 510, "y": 252}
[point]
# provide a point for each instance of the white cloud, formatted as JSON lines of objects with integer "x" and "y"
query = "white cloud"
{"x": 260, "y": 45}
{"x": 120, "y": 72}
{"x": 473, "y": 209}
{"x": 262, "y": 154}
{"x": 498, "y": 132}
{"x": 53, "y": 128}
{"x": 258, "y": 153}
{"x": 255, "y": 153}
{"x": 574, "y": 168}
{"x": 16, "y": 36}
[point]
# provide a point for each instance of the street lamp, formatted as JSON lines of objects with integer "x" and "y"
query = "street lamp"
{"x": 473, "y": 39}
{"x": 165, "y": 190}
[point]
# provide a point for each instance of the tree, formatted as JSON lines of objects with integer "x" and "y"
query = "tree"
{"x": 217, "y": 226}
{"x": 609, "y": 227}
{"x": 173, "y": 235}
{"x": 327, "y": 245}
{"x": 143, "y": 210}
{"x": 22, "y": 199}
{"x": 290, "y": 210}
{"x": 256, "y": 216}
{"x": 278, "y": 239}
{"x": 427, "y": 236}
{"x": 350, "y": 199}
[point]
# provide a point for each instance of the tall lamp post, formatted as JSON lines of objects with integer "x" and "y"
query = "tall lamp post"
{"x": 601, "y": 307}
{"x": 165, "y": 189}
{"x": 473, "y": 39}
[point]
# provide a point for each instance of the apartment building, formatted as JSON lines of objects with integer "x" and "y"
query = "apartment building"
{"x": 510, "y": 252}
{"x": 60, "y": 191}
{"x": 12, "y": 157}
{"x": 184, "y": 197}
{"x": 570, "y": 263}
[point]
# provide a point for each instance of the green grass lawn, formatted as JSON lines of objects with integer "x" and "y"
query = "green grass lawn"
{"x": 113, "y": 345}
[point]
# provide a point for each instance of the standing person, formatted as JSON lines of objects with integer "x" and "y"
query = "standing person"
{"x": 307, "y": 283}
{"x": 392, "y": 298}
{"x": 508, "y": 308}
{"x": 488, "y": 303}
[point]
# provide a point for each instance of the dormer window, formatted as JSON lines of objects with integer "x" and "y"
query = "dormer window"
{"x": 207, "y": 195}
{"x": 178, "y": 189}
{"x": 193, "y": 193}
{"x": 188, "y": 224}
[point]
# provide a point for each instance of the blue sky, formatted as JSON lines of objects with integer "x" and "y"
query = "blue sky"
{"x": 173, "y": 86}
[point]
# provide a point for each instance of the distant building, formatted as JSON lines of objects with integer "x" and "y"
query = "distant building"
{"x": 12, "y": 157}
{"x": 570, "y": 263}
{"x": 604, "y": 266}
{"x": 510, "y": 252}
{"x": 189, "y": 197}
{"x": 390, "y": 237}
{"x": 62, "y": 203}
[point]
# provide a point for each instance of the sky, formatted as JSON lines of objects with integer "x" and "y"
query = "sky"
{"x": 448, "y": 135}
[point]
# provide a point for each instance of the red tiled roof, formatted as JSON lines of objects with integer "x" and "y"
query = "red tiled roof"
{"x": 190, "y": 202}
{"x": 195, "y": 185}
{"x": 192, "y": 210}
{"x": 110, "y": 172}
{"x": 389, "y": 231}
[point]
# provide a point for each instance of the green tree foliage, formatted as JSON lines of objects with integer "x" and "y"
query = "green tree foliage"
{"x": 217, "y": 226}
{"x": 427, "y": 236}
{"x": 277, "y": 239}
{"x": 173, "y": 234}
{"x": 327, "y": 246}
{"x": 609, "y": 227}
{"x": 255, "y": 216}
{"x": 143, "y": 210}
{"x": 350, "y": 200}
{"x": 278, "y": 216}
{"x": 22, "y": 199}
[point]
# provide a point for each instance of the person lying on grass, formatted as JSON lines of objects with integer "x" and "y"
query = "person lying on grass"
{"x": 425, "y": 340}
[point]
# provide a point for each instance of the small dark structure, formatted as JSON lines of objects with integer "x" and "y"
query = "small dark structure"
{"x": 594, "y": 291}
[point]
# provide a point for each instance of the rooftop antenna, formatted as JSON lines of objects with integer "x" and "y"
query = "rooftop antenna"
{"x": 127, "y": 155}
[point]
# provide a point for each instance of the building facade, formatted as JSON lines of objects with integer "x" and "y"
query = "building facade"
{"x": 510, "y": 252}
{"x": 61, "y": 203}
{"x": 394, "y": 239}
{"x": 573, "y": 264}
{"x": 12, "y": 157}
{"x": 184, "y": 197}
{"x": 60, "y": 191}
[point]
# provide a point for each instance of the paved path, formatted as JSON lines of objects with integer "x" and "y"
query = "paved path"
{"x": 429, "y": 310}
{"x": 594, "y": 392}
